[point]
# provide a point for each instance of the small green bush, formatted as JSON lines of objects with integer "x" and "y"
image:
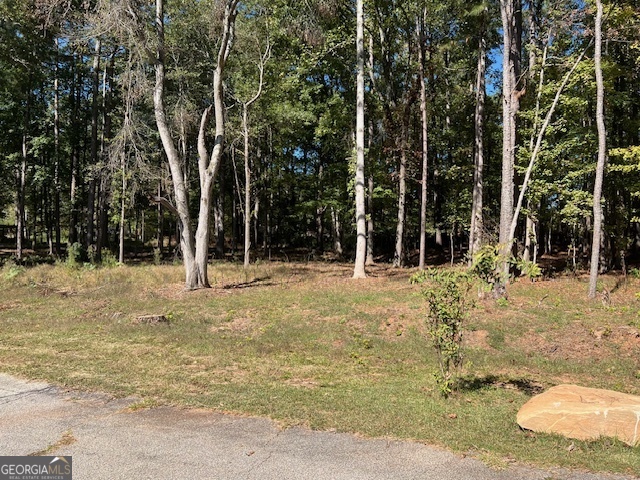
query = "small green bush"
{"x": 446, "y": 294}
{"x": 484, "y": 264}
{"x": 76, "y": 255}
{"x": 529, "y": 269}
{"x": 109, "y": 260}
{"x": 12, "y": 270}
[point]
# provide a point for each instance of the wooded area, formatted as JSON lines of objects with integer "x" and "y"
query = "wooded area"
{"x": 228, "y": 128}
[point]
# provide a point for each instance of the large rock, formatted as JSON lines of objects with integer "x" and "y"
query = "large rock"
{"x": 583, "y": 413}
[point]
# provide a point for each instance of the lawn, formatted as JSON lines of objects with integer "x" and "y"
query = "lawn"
{"x": 304, "y": 344}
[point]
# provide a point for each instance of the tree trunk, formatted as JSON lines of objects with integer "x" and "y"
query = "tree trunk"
{"x": 247, "y": 188}
{"x": 102, "y": 238}
{"x": 160, "y": 231}
{"x": 398, "y": 256}
{"x": 529, "y": 240}
{"x": 195, "y": 248}
{"x": 425, "y": 145}
{"x": 320, "y": 209}
{"x": 75, "y": 160}
{"x": 361, "y": 227}
{"x": 21, "y": 177}
{"x": 336, "y": 228}
{"x": 56, "y": 142}
{"x": 123, "y": 204}
{"x": 90, "y": 220}
{"x": 510, "y": 106}
{"x": 602, "y": 156}
{"x": 511, "y": 16}
{"x": 370, "y": 226}
{"x": 247, "y": 160}
{"x": 475, "y": 232}
{"x": 187, "y": 245}
{"x": 218, "y": 221}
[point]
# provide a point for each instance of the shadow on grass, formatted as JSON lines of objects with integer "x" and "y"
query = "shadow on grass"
{"x": 256, "y": 282}
{"x": 526, "y": 386}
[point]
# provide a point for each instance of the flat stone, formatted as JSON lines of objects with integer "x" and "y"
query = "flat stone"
{"x": 583, "y": 413}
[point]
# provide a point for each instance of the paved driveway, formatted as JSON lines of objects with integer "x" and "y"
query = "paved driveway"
{"x": 110, "y": 442}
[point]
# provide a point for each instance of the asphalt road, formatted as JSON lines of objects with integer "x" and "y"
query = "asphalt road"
{"x": 108, "y": 441}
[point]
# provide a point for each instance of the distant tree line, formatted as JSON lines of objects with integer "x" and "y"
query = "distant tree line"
{"x": 208, "y": 128}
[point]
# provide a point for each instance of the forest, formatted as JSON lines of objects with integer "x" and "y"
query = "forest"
{"x": 385, "y": 130}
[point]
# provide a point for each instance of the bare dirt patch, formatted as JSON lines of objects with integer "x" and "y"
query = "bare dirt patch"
{"x": 476, "y": 339}
{"x": 580, "y": 342}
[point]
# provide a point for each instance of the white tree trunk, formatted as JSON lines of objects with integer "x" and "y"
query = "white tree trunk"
{"x": 529, "y": 241}
{"x": 398, "y": 256}
{"x": 195, "y": 248}
{"x": 336, "y": 227}
{"x": 602, "y": 156}
{"x": 247, "y": 188}
{"x": 180, "y": 189}
{"x": 361, "y": 227}
{"x": 123, "y": 166}
{"x": 218, "y": 221}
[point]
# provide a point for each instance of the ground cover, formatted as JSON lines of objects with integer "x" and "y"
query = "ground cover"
{"x": 304, "y": 344}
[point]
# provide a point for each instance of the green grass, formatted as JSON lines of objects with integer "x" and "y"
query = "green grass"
{"x": 305, "y": 345}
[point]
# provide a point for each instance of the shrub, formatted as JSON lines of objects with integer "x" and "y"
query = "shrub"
{"x": 76, "y": 255}
{"x": 484, "y": 264}
{"x": 109, "y": 260}
{"x": 529, "y": 269}
{"x": 446, "y": 294}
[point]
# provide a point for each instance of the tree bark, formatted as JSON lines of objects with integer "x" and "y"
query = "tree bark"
{"x": 180, "y": 189}
{"x": 123, "y": 205}
{"x": 510, "y": 104}
{"x": 370, "y": 226}
{"x": 160, "y": 214}
{"x": 218, "y": 221}
{"x": 56, "y": 142}
{"x": 398, "y": 256}
{"x": 102, "y": 237}
{"x": 475, "y": 231}
{"x": 425, "y": 144}
{"x": 75, "y": 160}
{"x": 95, "y": 85}
{"x": 510, "y": 12}
{"x": 361, "y": 227}
{"x": 21, "y": 180}
{"x": 247, "y": 188}
{"x": 602, "y": 156}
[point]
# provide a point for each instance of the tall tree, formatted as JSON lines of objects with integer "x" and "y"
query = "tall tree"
{"x": 361, "y": 226}
{"x": 246, "y": 105}
{"x": 475, "y": 230}
{"x": 602, "y": 155}
{"x": 511, "y": 14}
{"x": 425, "y": 141}
{"x": 195, "y": 247}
